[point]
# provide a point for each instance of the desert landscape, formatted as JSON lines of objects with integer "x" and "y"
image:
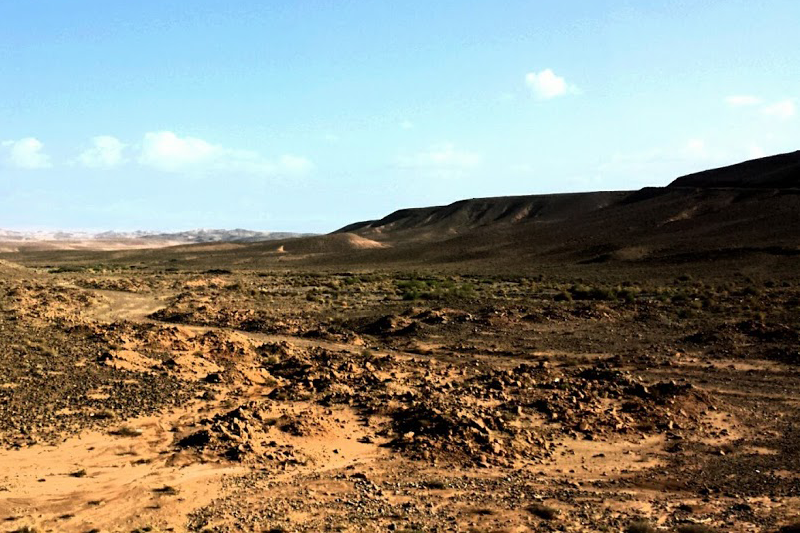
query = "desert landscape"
{"x": 614, "y": 361}
{"x": 405, "y": 267}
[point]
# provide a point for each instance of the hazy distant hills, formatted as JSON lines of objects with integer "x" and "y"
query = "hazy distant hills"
{"x": 182, "y": 237}
{"x": 42, "y": 241}
{"x": 221, "y": 235}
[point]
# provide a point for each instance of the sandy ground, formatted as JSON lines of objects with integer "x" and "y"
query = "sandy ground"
{"x": 256, "y": 447}
{"x": 129, "y": 478}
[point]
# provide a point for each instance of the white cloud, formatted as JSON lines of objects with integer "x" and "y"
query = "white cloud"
{"x": 106, "y": 152}
{"x": 166, "y": 151}
{"x": 406, "y": 125}
{"x": 743, "y": 100}
{"x": 784, "y": 109}
{"x": 26, "y": 153}
{"x": 546, "y": 84}
{"x": 295, "y": 164}
{"x": 443, "y": 160}
{"x": 696, "y": 147}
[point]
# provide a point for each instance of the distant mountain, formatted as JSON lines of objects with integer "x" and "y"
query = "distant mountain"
{"x": 182, "y": 237}
{"x": 749, "y": 211}
{"x": 208, "y": 235}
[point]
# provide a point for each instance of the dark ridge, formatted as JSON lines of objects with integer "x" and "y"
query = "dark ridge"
{"x": 775, "y": 172}
{"x": 480, "y": 212}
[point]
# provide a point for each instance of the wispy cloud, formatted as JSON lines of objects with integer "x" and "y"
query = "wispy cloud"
{"x": 26, "y": 153}
{"x": 785, "y": 109}
{"x": 168, "y": 152}
{"x": 743, "y": 100}
{"x": 294, "y": 164}
{"x": 160, "y": 150}
{"x": 444, "y": 160}
{"x": 547, "y": 84}
{"x": 105, "y": 152}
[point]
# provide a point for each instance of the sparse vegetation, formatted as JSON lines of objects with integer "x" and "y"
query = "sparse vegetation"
{"x": 461, "y": 373}
{"x": 434, "y": 289}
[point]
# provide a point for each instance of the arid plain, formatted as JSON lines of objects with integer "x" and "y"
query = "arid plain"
{"x": 611, "y": 362}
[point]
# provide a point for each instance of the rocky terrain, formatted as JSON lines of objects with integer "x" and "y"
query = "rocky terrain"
{"x": 613, "y": 361}
{"x": 151, "y": 399}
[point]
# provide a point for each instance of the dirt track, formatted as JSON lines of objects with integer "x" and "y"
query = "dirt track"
{"x": 117, "y": 482}
{"x": 120, "y": 305}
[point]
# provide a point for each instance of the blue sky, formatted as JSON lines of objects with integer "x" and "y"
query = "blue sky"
{"x": 305, "y": 116}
